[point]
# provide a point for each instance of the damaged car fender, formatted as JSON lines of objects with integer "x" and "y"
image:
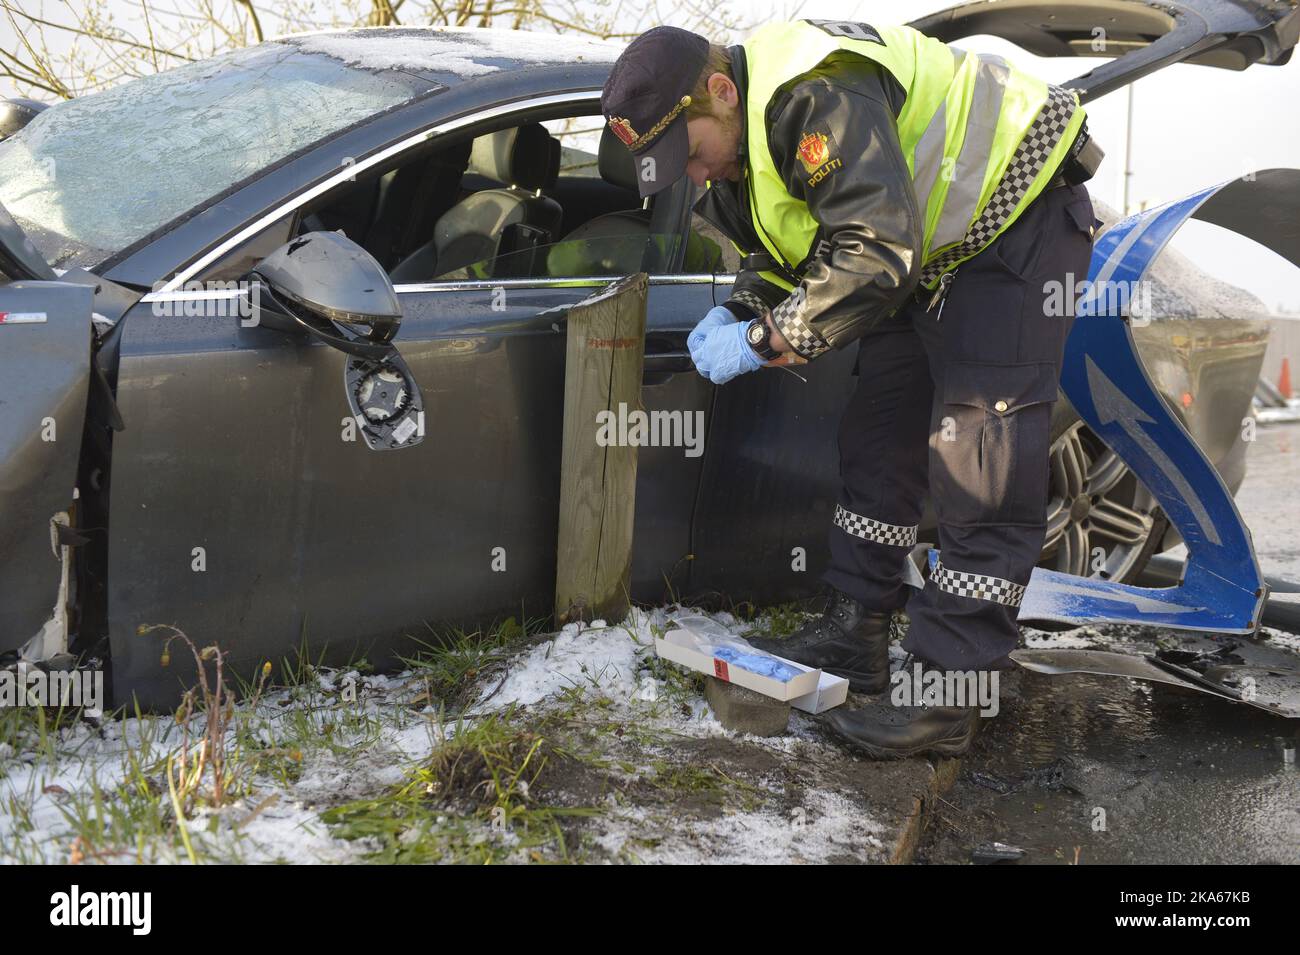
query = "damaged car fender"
{"x": 45, "y": 354}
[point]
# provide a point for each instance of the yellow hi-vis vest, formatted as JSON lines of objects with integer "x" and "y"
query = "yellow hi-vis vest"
{"x": 981, "y": 138}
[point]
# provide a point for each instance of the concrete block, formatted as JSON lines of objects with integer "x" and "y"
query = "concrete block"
{"x": 745, "y": 711}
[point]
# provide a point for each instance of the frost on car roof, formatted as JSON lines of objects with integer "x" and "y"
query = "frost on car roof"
{"x": 463, "y": 51}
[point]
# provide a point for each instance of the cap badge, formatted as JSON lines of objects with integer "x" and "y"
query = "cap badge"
{"x": 623, "y": 130}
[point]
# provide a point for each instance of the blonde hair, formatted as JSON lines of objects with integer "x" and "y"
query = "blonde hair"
{"x": 719, "y": 61}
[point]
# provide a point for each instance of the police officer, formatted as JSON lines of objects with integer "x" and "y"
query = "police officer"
{"x": 892, "y": 190}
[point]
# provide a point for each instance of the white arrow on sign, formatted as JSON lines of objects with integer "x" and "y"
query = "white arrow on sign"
{"x": 1113, "y": 405}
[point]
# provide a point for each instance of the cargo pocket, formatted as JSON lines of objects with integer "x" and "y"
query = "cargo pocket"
{"x": 998, "y": 475}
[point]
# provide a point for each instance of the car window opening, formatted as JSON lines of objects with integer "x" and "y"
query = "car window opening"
{"x": 527, "y": 201}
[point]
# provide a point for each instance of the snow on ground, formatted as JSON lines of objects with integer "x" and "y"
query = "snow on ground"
{"x": 340, "y": 752}
{"x": 43, "y": 784}
{"x": 595, "y": 656}
{"x": 388, "y": 737}
{"x": 1281, "y": 639}
{"x": 1078, "y": 638}
{"x": 833, "y": 828}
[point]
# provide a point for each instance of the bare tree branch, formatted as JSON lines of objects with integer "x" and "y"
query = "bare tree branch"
{"x": 86, "y": 47}
{"x": 252, "y": 13}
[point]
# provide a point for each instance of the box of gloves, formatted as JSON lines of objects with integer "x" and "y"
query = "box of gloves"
{"x": 702, "y": 644}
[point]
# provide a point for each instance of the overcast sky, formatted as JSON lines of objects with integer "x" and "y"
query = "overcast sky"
{"x": 1193, "y": 126}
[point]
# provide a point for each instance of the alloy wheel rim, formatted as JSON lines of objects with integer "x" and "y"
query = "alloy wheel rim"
{"x": 1099, "y": 516}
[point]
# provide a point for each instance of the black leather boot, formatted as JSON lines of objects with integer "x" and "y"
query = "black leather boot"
{"x": 886, "y": 731}
{"x": 847, "y": 640}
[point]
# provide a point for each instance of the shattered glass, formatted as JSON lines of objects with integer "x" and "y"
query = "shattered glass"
{"x": 102, "y": 171}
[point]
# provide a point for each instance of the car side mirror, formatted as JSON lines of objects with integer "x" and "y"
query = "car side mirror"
{"x": 327, "y": 287}
{"x": 321, "y": 280}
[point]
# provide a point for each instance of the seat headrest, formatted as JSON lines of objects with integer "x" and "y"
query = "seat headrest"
{"x": 615, "y": 161}
{"x": 526, "y": 156}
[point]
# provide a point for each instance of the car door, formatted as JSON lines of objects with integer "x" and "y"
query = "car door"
{"x": 246, "y": 510}
{"x": 496, "y": 349}
{"x": 45, "y": 342}
{"x": 48, "y": 341}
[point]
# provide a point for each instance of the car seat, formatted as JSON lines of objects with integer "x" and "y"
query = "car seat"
{"x": 495, "y": 223}
{"x": 627, "y": 241}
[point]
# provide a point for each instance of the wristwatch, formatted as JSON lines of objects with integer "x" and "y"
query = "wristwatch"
{"x": 759, "y": 336}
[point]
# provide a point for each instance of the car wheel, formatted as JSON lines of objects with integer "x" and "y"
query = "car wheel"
{"x": 1101, "y": 520}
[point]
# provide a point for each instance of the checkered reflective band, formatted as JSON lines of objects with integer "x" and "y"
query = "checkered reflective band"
{"x": 1025, "y": 165}
{"x": 895, "y": 535}
{"x": 977, "y": 586}
{"x": 788, "y": 319}
{"x": 752, "y": 302}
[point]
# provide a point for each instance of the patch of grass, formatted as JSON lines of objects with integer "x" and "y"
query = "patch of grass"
{"x": 706, "y": 783}
{"x": 493, "y": 762}
{"x": 317, "y": 719}
{"x": 137, "y": 818}
{"x": 34, "y": 728}
{"x": 777, "y": 622}
{"x": 205, "y": 757}
{"x": 454, "y": 662}
{"x": 477, "y": 798}
{"x": 674, "y": 685}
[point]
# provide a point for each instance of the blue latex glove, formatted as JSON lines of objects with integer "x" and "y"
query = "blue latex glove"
{"x": 719, "y": 349}
{"x": 757, "y": 663}
{"x": 717, "y": 318}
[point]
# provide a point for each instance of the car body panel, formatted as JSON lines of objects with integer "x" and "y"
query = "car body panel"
{"x": 1147, "y": 36}
{"x": 771, "y": 481}
{"x": 308, "y": 537}
{"x": 45, "y": 335}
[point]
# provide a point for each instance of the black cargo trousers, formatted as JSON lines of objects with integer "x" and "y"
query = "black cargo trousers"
{"x": 958, "y": 401}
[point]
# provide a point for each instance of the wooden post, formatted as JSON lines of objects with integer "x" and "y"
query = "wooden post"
{"x": 602, "y": 385}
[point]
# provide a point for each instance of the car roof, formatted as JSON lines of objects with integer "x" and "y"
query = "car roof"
{"x": 454, "y": 54}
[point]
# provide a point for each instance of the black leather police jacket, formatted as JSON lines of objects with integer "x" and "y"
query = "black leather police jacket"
{"x": 866, "y": 256}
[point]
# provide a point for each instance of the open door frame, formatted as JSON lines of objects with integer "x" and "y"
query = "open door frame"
{"x": 1142, "y": 36}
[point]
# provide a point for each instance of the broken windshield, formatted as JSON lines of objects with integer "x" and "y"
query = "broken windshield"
{"x": 91, "y": 176}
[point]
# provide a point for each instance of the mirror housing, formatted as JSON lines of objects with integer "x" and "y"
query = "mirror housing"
{"x": 325, "y": 285}
{"x": 321, "y": 278}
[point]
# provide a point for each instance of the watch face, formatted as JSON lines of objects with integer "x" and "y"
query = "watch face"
{"x": 755, "y": 333}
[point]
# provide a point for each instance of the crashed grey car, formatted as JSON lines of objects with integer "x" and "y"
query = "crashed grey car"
{"x": 282, "y": 367}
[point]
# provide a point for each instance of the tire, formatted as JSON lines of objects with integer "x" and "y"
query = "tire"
{"x": 1102, "y": 521}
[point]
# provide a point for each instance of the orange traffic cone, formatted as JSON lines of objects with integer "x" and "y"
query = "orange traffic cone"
{"x": 1284, "y": 379}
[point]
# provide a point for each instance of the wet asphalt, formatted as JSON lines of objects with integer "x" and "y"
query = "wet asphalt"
{"x": 1094, "y": 769}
